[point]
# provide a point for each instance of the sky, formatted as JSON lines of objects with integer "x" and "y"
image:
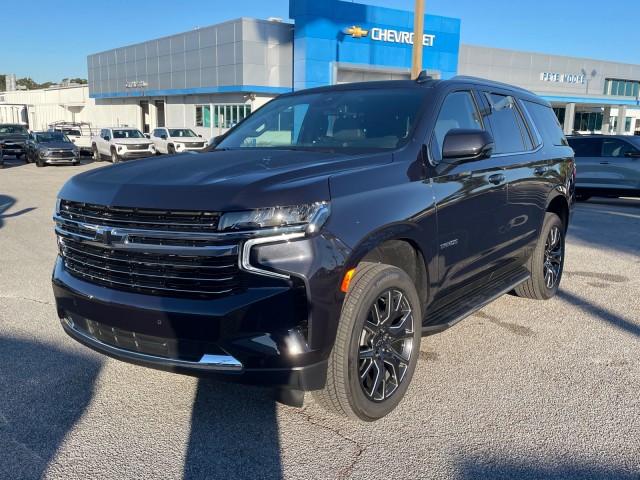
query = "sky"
{"x": 49, "y": 41}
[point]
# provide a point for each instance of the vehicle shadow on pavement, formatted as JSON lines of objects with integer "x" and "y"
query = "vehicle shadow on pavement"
{"x": 40, "y": 402}
{"x": 500, "y": 469}
{"x": 6, "y": 203}
{"x": 234, "y": 433}
{"x": 601, "y": 313}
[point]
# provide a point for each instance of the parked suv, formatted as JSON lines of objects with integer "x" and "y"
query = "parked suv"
{"x": 607, "y": 165}
{"x": 177, "y": 140}
{"x": 321, "y": 238}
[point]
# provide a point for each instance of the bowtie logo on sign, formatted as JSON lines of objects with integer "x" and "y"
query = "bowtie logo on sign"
{"x": 356, "y": 32}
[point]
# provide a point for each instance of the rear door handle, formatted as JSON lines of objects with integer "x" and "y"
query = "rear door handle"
{"x": 496, "y": 178}
{"x": 540, "y": 170}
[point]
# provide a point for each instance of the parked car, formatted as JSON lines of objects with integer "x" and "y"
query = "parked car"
{"x": 12, "y": 139}
{"x": 607, "y": 165}
{"x": 122, "y": 143}
{"x": 321, "y": 238}
{"x": 51, "y": 148}
{"x": 177, "y": 140}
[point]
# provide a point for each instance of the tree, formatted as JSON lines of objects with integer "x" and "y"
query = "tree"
{"x": 3, "y": 82}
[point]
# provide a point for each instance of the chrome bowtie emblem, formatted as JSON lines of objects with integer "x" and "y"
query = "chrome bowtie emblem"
{"x": 108, "y": 236}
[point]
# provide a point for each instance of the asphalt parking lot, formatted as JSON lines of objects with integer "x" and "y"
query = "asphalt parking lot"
{"x": 520, "y": 390}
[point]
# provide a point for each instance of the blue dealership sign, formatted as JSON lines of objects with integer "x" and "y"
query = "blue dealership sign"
{"x": 331, "y": 34}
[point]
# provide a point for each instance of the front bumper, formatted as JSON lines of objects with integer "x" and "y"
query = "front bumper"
{"x": 131, "y": 154}
{"x": 60, "y": 160}
{"x": 256, "y": 337}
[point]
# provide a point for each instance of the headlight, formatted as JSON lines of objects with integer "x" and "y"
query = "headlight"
{"x": 179, "y": 146}
{"x": 307, "y": 218}
{"x": 44, "y": 152}
{"x": 76, "y": 151}
{"x": 152, "y": 146}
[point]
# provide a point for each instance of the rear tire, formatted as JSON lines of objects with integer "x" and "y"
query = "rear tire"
{"x": 546, "y": 262}
{"x": 377, "y": 344}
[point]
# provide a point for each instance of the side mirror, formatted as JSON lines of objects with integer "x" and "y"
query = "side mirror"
{"x": 163, "y": 136}
{"x": 632, "y": 154}
{"x": 200, "y": 135}
{"x": 465, "y": 145}
{"x": 107, "y": 138}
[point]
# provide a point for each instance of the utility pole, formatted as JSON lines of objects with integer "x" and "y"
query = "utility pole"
{"x": 418, "y": 33}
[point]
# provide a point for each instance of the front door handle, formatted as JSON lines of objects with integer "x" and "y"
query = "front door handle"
{"x": 496, "y": 178}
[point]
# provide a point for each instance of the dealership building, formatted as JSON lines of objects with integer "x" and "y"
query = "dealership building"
{"x": 210, "y": 78}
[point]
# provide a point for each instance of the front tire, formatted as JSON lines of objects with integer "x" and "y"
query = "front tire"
{"x": 114, "y": 157}
{"x": 377, "y": 344}
{"x": 546, "y": 263}
{"x": 39, "y": 162}
{"x": 96, "y": 154}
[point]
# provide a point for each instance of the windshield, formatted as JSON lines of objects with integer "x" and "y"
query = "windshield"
{"x": 49, "y": 137}
{"x": 127, "y": 134}
{"x": 181, "y": 132}
{"x": 344, "y": 120}
{"x": 14, "y": 129}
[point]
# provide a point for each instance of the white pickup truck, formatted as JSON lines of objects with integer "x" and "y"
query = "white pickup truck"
{"x": 78, "y": 132}
{"x": 121, "y": 143}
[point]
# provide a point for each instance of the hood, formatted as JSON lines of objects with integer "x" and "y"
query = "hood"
{"x": 216, "y": 181}
{"x": 13, "y": 137}
{"x": 132, "y": 141}
{"x": 57, "y": 145}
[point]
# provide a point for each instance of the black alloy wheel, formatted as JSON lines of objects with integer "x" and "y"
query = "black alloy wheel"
{"x": 546, "y": 262}
{"x": 377, "y": 344}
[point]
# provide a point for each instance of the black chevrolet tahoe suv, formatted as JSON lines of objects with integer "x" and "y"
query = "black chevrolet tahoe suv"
{"x": 321, "y": 238}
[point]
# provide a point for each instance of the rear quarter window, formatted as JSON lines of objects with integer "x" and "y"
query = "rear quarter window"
{"x": 546, "y": 123}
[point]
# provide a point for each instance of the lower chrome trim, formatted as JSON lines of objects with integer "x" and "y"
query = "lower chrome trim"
{"x": 213, "y": 363}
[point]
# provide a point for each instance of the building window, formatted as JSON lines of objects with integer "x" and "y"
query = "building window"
{"x": 560, "y": 112}
{"x": 225, "y": 116}
{"x": 621, "y": 88}
{"x": 588, "y": 121}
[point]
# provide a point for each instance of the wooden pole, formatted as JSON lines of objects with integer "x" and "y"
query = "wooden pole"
{"x": 418, "y": 32}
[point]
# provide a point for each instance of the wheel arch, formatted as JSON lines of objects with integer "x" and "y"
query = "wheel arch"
{"x": 560, "y": 207}
{"x": 400, "y": 248}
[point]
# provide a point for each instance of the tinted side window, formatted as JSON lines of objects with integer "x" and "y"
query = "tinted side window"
{"x": 546, "y": 123}
{"x": 458, "y": 111}
{"x": 614, "y": 147}
{"x": 507, "y": 135}
{"x": 585, "y": 147}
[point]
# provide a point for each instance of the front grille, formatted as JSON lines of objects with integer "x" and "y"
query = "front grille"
{"x": 149, "y": 251}
{"x": 153, "y": 273}
{"x": 61, "y": 154}
{"x": 194, "y": 145}
{"x": 138, "y": 146}
{"x": 142, "y": 218}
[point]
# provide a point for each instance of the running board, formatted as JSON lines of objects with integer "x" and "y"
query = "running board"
{"x": 447, "y": 317}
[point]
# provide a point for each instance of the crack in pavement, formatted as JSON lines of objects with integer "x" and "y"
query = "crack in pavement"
{"x": 2, "y": 297}
{"x": 360, "y": 448}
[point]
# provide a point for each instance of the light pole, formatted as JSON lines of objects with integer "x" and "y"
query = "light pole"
{"x": 418, "y": 33}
